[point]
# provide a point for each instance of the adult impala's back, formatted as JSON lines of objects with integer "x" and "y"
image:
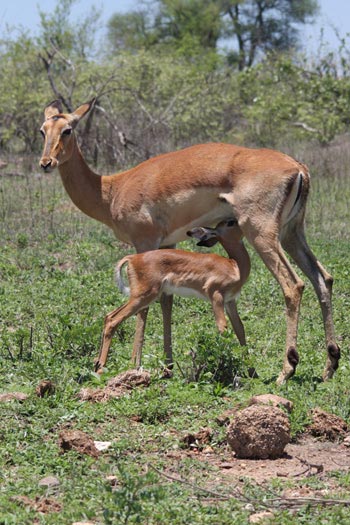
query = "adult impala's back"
{"x": 154, "y": 204}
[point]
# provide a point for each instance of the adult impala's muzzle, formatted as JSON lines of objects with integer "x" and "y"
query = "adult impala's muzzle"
{"x": 48, "y": 164}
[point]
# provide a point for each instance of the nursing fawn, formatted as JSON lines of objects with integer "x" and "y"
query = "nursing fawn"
{"x": 170, "y": 271}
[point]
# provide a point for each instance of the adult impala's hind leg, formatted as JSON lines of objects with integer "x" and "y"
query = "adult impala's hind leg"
{"x": 270, "y": 250}
{"x": 113, "y": 320}
{"x": 166, "y": 302}
{"x": 295, "y": 244}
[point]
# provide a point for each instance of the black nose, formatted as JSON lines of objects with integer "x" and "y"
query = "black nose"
{"x": 45, "y": 164}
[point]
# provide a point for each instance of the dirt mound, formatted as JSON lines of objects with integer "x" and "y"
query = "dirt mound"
{"x": 117, "y": 386}
{"x": 327, "y": 426}
{"x": 42, "y": 505}
{"x": 79, "y": 441}
{"x": 130, "y": 379}
{"x": 259, "y": 432}
{"x": 9, "y": 396}
{"x": 272, "y": 400}
{"x": 45, "y": 388}
{"x": 197, "y": 440}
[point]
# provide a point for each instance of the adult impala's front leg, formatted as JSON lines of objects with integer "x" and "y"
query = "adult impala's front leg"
{"x": 292, "y": 286}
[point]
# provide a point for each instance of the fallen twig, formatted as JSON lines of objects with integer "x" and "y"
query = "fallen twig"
{"x": 217, "y": 495}
{"x": 309, "y": 467}
{"x": 277, "y": 502}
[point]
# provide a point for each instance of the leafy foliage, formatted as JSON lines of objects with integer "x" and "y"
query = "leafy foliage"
{"x": 153, "y": 97}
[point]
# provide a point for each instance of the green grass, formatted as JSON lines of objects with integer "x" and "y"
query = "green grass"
{"x": 56, "y": 285}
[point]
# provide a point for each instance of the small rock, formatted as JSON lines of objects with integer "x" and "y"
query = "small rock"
{"x": 226, "y": 465}
{"x": 117, "y": 386}
{"x": 112, "y": 480}
{"x": 167, "y": 373}
{"x": 102, "y": 445}
{"x": 261, "y": 516}
{"x": 346, "y": 441}
{"x": 130, "y": 379}
{"x": 49, "y": 481}
{"x": 198, "y": 439}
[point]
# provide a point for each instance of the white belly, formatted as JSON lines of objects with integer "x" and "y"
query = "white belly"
{"x": 183, "y": 291}
{"x": 212, "y": 217}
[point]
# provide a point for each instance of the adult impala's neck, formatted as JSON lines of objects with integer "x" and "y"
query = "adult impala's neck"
{"x": 87, "y": 190}
{"x": 236, "y": 250}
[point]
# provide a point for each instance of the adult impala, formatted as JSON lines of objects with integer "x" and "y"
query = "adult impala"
{"x": 154, "y": 204}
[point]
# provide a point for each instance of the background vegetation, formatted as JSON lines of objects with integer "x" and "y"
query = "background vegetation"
{"x": 161, "y": 85}
{"x": 163, "y": 81}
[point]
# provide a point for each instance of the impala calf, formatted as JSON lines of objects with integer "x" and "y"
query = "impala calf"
{"x": 170, "y": 271}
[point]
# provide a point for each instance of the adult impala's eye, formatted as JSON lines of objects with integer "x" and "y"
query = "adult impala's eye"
{"x": 67, "y": 131}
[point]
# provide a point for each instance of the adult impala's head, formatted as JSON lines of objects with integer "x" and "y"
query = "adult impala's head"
{"x": 57, "y": 131}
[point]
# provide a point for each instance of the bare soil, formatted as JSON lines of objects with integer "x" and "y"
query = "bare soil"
{"x": 307, "y": 457}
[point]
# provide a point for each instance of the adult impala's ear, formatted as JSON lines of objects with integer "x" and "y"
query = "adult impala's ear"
{"x": 80, "y": 112}
{"x": 52, "y": 109}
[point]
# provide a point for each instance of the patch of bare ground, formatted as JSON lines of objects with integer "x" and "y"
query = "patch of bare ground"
{"x": 220, "y": 475}
{"x": 307, "y": 457}
{"x": 323, "y": 448}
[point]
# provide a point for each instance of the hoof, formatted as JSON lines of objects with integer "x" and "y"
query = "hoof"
{"x": 98, "y": 368}
{"x": 328, "y": 373}
{"x": 289, "y": 366}
{"x": 332, "y": 364}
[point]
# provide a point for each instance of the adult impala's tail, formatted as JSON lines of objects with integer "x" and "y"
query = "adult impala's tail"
{"x": 297, "y": 191}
